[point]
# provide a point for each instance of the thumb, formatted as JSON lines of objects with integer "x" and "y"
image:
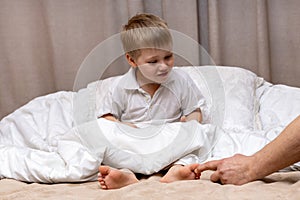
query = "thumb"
{"x": 215, "y": 177}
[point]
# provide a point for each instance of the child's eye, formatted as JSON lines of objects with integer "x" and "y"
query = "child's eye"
{"x": 152, "y": 61}
{"x": 169, "y": 57}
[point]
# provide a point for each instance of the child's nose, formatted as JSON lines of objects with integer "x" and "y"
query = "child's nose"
{"x": 163, "y": 66}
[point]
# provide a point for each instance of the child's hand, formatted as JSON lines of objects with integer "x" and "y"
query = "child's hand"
{"x": 130, "y": 124}
{"x": 195, "y": 115}
{"x": 183, "y": 119}
{"x": 197, "y": 173}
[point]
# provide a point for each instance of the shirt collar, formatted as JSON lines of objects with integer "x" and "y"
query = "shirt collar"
{"x": 129, "y": 80}
{"x": 130, "y": 83}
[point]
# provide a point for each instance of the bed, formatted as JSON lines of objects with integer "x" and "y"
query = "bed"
{"x": 42, "y": 155}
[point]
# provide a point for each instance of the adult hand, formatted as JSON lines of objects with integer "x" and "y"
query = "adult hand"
{"x": 235, "y": 170}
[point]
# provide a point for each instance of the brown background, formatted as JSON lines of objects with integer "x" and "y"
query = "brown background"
{"x": 44, "y": 42}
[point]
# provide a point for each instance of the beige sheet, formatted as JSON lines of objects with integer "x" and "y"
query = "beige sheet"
{"x": 283, "y": 185}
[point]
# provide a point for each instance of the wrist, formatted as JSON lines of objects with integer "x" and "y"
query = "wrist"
{"x": 258, "y": 170}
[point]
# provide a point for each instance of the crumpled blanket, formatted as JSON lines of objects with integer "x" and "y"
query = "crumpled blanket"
{"x": 46, "y": 141}
{"x": 57, "y": 138}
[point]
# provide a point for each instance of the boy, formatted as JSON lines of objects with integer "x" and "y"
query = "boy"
{"x": 150, "y": 92}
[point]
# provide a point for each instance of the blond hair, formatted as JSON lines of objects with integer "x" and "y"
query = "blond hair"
{"x": 145, "y": 31}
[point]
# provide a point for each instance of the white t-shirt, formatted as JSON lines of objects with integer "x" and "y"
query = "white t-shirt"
{"x": 129, "y": 103}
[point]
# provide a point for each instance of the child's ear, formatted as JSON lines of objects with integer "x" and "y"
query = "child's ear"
{"x": 130, "y": 60}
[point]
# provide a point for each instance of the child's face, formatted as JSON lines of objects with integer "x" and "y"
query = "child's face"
{"x": 154, "y": 65}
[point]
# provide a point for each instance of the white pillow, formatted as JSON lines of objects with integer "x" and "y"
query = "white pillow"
{"x": 230, "y": 95}
{"x": 279, "y": 105}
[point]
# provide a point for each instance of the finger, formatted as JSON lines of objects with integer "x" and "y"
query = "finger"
{"x": 215, "y": 177}
{"x": 134, "y": 126}
{"x": 211, "y": 165}
{"x": 183, "y": 119}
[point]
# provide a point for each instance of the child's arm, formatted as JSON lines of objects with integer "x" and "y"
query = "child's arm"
{"x": 109, "y": 117}
{"x": 195, "y": 115}
{"x": 112, "y": 118}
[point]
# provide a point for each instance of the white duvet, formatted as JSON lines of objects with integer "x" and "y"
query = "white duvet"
{"x": 57, "y": 138}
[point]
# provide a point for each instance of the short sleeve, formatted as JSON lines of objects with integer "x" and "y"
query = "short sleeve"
{"x": 192, "y": 97}
{"x": 111, "y": 103}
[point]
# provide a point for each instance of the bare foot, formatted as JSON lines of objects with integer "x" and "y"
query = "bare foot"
{"x": 110, "y": 178}
{"x": 178, "y": 172}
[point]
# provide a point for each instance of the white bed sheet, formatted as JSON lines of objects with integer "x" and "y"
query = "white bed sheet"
{"x": 48, "y": 140}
